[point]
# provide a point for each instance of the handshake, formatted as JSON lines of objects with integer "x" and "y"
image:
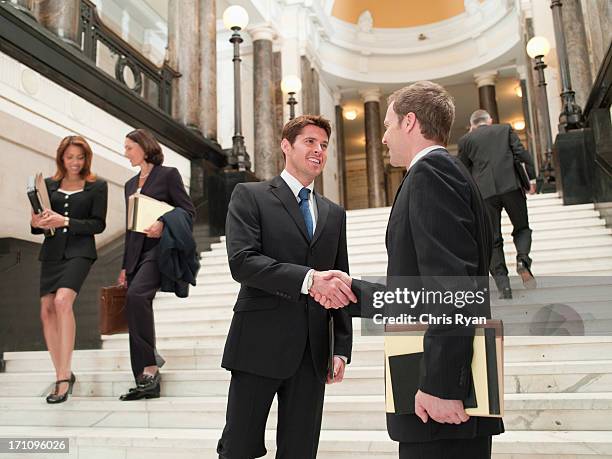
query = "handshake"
{"x": 332, "y": 289}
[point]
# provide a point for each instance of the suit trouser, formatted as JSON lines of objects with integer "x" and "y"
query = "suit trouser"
{"x": 143, "y": 283}
{"x": 472, "y": 448}
{"x": 515, "y": 204}
{"x": 300, "y": 408}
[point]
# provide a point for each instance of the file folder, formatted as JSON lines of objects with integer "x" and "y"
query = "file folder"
{"x": 404, "y": 366}
{"x": 143, "y": 211}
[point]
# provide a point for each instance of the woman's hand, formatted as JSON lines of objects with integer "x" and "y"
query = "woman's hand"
{"x": 155, "y": 230}
{"x": 122, "y": 279}
{"x": 36, "y": 219}
{"x": 51, "y": 219}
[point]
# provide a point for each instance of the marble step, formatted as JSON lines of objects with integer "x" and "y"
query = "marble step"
{"x": 541, "y": 374}
{"x": 137, "y": 443}
{"x": 520, "y": 377}
{"x": 550, "y": 209}
{"x": 377, "y": 238}
{"x": 542, "y": 412}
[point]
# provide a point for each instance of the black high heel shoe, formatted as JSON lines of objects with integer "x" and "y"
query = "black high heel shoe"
{"x": 54, "y": 397}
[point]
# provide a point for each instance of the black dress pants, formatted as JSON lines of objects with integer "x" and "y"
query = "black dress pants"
{"x": 143, "y": 283}
{"x": 472, "y": 448}
{"x": 300, "y": 408}
{"x": 515, "y": 204}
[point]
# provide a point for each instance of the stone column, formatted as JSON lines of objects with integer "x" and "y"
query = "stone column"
{"x": 485, "y": 82}
{"x": 208, "y": 69}
{"x": 62, "y": 17}
{"x": 577, "y": 50}
{"x": 597, "y": 16}
{"x": 184, "y": 56}
{"x": 375, "y": 166}
{"x": 341, "y": 150}
{"x": 279, "y": 106}
{"x": 263, "y": 102}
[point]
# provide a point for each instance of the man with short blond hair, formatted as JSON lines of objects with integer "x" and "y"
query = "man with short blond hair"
{"x": 437, "y": 228}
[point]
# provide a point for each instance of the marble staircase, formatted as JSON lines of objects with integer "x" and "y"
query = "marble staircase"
{"x": 558, "y": 389}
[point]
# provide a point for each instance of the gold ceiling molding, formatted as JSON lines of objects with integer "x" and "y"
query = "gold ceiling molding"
{"x": 398, "y": 13}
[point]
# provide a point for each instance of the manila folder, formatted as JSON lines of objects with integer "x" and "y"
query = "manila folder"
{"x": 143, "y": 211}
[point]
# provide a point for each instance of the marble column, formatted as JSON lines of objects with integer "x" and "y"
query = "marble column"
{"x": 279, "y": 107}
{"x": 375, "y": 166}
{"x": 577, "y": 51}
{"x": 208, "y": 69}
{"x": 184, "y": 57}
{"x": 263, "y": 102}
{"x": 62, "y": 17}
{"x": 485, "y": 82}
{"x": 597, "y": 16}
{"x": 341, "y": 150}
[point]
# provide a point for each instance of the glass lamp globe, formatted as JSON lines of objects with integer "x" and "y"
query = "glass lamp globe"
{"x": 538, "y": 46}
{"x": 291, "y": 83}
{"x": 350, "y": 114}
{"x": 235, "y": 17}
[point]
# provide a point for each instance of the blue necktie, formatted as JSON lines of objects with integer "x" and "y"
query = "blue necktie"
{"x": 305, "y": 209}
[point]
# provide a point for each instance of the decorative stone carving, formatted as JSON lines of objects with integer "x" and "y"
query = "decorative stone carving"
{"x": 365, "y": 22}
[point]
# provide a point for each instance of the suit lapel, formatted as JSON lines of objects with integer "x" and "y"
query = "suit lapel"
{"x": 150, "y": 179}
{"x": 282, "y": 191}
{"x": 323, "y": 212}
{"x": 399, "y": 189}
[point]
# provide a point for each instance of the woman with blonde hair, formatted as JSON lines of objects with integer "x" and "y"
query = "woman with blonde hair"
{"x": 78, "y": 211}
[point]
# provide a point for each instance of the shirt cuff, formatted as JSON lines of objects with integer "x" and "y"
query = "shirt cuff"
{"x": 305, "y": 283}
{"x": 532, "y": 181}
{"x": 345, "y": 359}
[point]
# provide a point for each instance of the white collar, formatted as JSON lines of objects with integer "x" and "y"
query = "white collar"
{"x": 295, "y": 184}
{"x": 422, "y": 153}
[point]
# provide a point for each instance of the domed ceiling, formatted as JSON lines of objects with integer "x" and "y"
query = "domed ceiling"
{"x": 398, "y": 13}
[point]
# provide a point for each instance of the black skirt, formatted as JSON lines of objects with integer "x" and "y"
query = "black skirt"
{"x": 67, "y": 273}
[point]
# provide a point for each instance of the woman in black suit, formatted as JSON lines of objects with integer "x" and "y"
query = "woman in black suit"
{"x": 78, "y": 211}
{"x": 140, "y": 271}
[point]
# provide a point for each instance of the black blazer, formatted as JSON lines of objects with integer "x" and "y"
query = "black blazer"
{"x": 269, "y": 254}
{"x": 87, "y": 213}
{"x": 438, "y": 227}
{"x": 164, "y": 184}
{"x": 488, "y": 152}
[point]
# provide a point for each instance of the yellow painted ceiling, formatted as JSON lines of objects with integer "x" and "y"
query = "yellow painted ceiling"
{"x": 398, "y": 13}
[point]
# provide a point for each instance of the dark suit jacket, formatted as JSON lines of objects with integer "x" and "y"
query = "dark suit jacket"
{"x": 438, "y": 227}
{"x": 488, "y": 152}
{"x": 178, "y": 257}
{"x": 87, "y": 213}
{"x": 164, "y": 184}
{"x": 269, "y": 254}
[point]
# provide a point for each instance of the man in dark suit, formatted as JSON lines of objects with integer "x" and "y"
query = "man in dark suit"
{"x": 281, "y": 238}
{"x": 488, "y": 151}
{"x": 437, "y": 227}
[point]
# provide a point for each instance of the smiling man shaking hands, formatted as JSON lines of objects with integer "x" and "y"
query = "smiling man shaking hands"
{"x": 282, "y": 237}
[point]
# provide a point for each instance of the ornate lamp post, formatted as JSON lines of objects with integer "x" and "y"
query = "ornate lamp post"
{"x": 291, "y": 85}
{"x": 235, "y": 19}
{"x": 571, "y": 114}
{"x": 537, "y": 49}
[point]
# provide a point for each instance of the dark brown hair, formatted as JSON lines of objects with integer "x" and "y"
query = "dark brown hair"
{"x": 150, "y": 146}
{"x": 432, "y": 105}
{"x": 294, "y": 127}
{"x": 80, "y": 142}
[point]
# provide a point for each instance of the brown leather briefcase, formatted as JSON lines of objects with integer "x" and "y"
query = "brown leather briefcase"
{"x": 112, "y": 310}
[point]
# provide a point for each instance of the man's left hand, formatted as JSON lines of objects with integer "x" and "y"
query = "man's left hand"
{"x": 339, "y": 367}
{"x": 440, "y": 410}
{"x": 155, "y": 230}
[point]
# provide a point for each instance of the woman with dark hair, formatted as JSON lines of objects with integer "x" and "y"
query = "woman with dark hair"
{"x": 140, "y": 271}
{"x": 78, "y": 211}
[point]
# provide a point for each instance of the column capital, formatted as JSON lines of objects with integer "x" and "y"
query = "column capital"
{"x": 262, "y": 32}
{"x": 522, "y": 71}
{"x": 370, "y": 95}
{"x": 487, "y": 78}
{"x": 337, "y": 98}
